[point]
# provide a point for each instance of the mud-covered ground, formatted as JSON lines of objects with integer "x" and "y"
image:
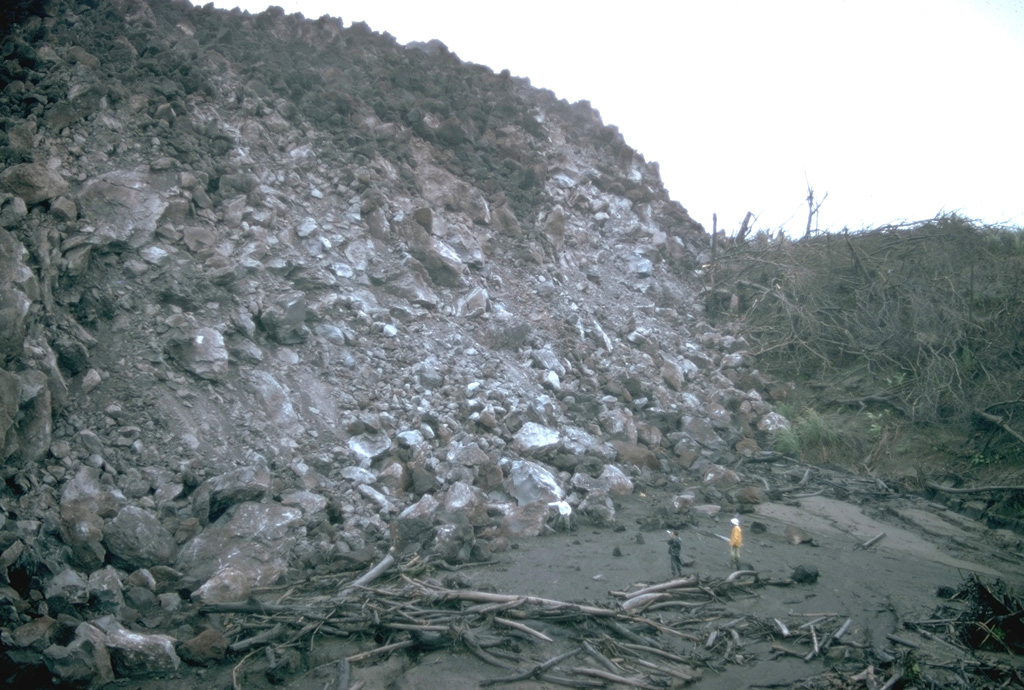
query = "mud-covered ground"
{"x": 896, "y": 580}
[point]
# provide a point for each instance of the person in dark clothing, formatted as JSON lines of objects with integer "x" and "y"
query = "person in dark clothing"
{"x": 674, "y": 548}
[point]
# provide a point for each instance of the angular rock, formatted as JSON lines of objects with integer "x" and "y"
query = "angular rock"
{"x": 238, "y": 486}
{"x": 66, "y": 590}
{"x": 524, "y": 521}
{"x": 529, "y": 482}
{"x": 367, "y": 448}
{"x": 619, "y": 424}
{"x": 468, "y": 501}
{"x": 136, "y": 539}
{"x": 205, "y": 649}
{"x": 598, "y": 509}
{"x": 611, "y": 481}
{"x": 536, "y": 439}
{"x": 414, "y": 525}
{"x": 124, "y": 207}
{"x": 474, "y": 304}
{"x": 227, "y": 585}
{"x": 441, "y": 262}
{"x": 135, "y": 654}
{"x": 33, "y": 182}
{"x": 284, "y": 319}
{"x": 721, "y": 477}
{"x": 85, "y": 661}
{"x": 454, "y": 542}
{"x": 202, "y": 353}
{"x": 255, "y": 538}
{"x": 106, "y": 593}
{"x": 772, "y": 423}
{"x": 805, "y": 574}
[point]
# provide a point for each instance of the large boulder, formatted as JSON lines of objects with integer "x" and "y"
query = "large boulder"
{"x": 136, "y": 539}
{"x": 201, "y": 352}
{"x": 254, "y": 538}
{"x": 284, "y": 319}
{"x": 84, "y": 661}
{"x": 33, "y": 182}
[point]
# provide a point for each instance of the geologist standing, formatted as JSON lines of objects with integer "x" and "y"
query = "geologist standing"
{"x": 735, "y": 543}
{"x": 675, "y": 546}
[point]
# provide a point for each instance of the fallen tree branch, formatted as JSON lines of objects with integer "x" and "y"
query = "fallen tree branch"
{"x": 872, "y": 541}
{"x": 449, "y": 594}
{"x": 667, "y": 671}
{"x": 371, "y": 575}
{"x": 522, "y": 628}
{"x": 998, "y": 421}
{"x": 600, "y": 658}
{"x": 536, "y": 670}
{"x": 621, "y": 680}
{"x": 255, "y": 640}
{"x": 671, "y": 584}
{"x": 973, "y": 490}
{"x": 381, "y": 650}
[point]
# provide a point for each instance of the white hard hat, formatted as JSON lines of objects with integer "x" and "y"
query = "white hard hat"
{"x": 735, "y": 521}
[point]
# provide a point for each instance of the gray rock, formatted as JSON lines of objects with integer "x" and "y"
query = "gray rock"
{"x": 33, "y": 182}
{"x": 529, "y": 482}
{"x": 123, "y": 205}
{"x": 612, "y": 481}
{"x": 238, "y": 486}
{"x": 536, "y": 439}
{"x": 366, "y": 448}
{"x": 284, "y": 319}
{"x": 441, "y": 261}
{"x": 598, "y": 509}
{"x": 524, "y": 521}
{"x": 805, "y": 574}
{"x": 85, "y": 661}
{"x": 137, "y": 539}
{"x": 227, "y": 585}
{"x": 453, "y": 542}
{"x": 275, "y": 399}
{"x": 106, "y": 593}
{"x": 201, "y": 352}
{"x": 255, "y": 538}
{"x": 773, "y": 422}
{"x": 619, "y": 424}
{"x": 414, "y": 525}
{"x": 468, "y": 501}
{"x": 134, "y": 654}
{"x": 66, "y": 590}
{"x": 474, "y": 304}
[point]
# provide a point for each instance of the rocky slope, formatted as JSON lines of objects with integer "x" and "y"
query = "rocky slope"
{"x": 277, "y": 297}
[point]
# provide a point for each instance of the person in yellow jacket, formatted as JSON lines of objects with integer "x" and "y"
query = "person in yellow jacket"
{"x": 735, "y": 543}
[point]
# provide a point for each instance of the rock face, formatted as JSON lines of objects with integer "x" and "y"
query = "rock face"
{"x": 261, "y": 316}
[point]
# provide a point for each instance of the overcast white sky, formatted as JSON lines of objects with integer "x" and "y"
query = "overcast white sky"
{"x": 898, "y": 109}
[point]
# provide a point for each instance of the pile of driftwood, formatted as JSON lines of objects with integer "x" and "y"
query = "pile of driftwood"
{"x": 649, "y": 637}
{"x": 656, "y": 636}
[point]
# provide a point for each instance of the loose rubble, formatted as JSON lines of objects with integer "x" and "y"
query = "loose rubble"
{"x": 267, "y": 320}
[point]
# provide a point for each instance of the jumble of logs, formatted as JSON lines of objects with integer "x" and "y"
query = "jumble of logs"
{"x": 655, "y": 636}
{"x": 637, "y": 642}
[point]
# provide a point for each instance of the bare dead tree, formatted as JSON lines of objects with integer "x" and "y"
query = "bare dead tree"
{"x": 813, "y": 209}
{"x": 744, "y": 228}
